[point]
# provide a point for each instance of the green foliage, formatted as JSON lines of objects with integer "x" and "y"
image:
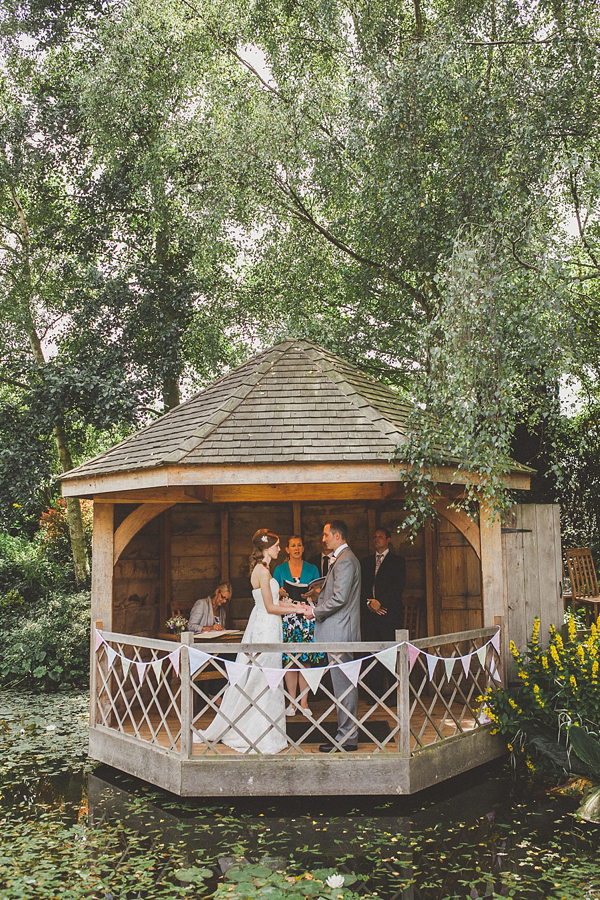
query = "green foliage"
{"x": 553, "y": 720}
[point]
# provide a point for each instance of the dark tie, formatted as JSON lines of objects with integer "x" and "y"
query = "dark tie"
{"x": 325, "y": 565}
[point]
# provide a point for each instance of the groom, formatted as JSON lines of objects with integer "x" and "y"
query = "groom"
{"x": 337, "y": 618}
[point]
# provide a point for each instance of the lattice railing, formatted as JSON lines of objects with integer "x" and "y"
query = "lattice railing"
{"x": 445, "y": 703}
{"x": 137, "y": 690}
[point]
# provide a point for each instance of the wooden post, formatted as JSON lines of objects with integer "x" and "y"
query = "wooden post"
{"x": 165, "y": 569}
{"x": 98, "y": 624}
{"x": 403, "y": 695}
{"x": 225, "y": 557}
{"x": 371, "y": 525}
{"x": 297, "y": 516}
{"x": 187, "y": 700}
{"x": 503, "y": 665}
{"x": 102, "y": 588}
{"x": 491, "y": 563}
{"x": 433, "y": 614}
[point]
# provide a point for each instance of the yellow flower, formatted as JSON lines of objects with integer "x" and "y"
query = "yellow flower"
{"x": 573, "y": 683}
{"x": 555, "y": 657}
{"x": 545, "y": 662}
{"x": 512, "y": 703}
{"x": 559, "y": 642}
{"x": 514, "y": 651}
{"x": 535, "y": 634}
{"x": 580, "y": 654}
{"x": 510, "y": 748}
{"x": 572, "y": 628}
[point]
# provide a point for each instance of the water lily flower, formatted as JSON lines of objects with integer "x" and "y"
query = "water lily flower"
{"x": 335, "y": 881}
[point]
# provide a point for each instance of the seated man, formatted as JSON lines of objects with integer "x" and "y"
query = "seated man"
{"x": 208, "y": 613}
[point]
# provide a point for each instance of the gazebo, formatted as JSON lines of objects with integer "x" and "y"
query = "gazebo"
{"x": 288, "y": 440}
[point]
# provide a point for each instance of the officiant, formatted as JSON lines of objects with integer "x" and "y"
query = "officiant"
{"x": 297, "y": 629}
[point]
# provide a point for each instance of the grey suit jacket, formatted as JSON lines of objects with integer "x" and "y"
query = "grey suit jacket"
{"x": 337, "y": 613}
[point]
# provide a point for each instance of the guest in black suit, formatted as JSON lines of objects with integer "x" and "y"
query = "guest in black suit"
{"x": 322, "y": 559}
{"x": 383, "y": 579}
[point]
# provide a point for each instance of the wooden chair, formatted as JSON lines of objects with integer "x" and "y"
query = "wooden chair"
{"x": 584, "y": 583}
{"x": 412, "y": 617}
{"x": 181, "y": 607}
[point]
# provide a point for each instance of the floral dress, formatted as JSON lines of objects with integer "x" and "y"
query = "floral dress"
{"x": 298, "y": 629}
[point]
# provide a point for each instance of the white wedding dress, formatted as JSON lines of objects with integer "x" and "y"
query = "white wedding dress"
{"x": 250, "y": 718}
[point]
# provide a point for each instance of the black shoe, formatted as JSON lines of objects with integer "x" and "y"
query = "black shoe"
{"x": 330, "y": 748}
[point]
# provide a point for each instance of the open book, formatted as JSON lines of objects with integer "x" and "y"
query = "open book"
{"x": 219, "y": 633}
{"x": 295, "y": 591}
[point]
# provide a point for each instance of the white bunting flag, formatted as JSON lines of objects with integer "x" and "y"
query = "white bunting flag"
{"x": 110, "y": 654}
{"x": 197, "y": 658}
{"x": 431, "y": 664}
{"x": 235, "y": 671}
{"x": 126, "y": 663}
{"x": 274, "y": 677}
{"x": 449, "y": 666}
{"x": 495, "y": 642}
{"x": 413, "y": 652}
{"x": 174, "y": 657}
{"x": 481, "y": 653}
{"x": 388, "y": 658}
{"x": 157, "y": 669}
{"x": 141, "y": 670}
{"x": 466, "y": 664}
{"x": 351, "y": 670}
{"x": 313, "y": 677}
{"x": 494, "y": 671}
{"x": 98, "y": 640}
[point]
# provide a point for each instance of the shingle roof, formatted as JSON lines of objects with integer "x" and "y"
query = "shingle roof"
{"x": 294, "y": 403}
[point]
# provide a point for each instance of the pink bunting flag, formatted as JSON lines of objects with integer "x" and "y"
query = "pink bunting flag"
{"x": 98, "y": 640}
{"x": 351, "y": 670}
{"x": 495, "y": 642}
{"x": 431, "y": 664}
{"x": 274, "y": 677}
{"x": 197, "y": 658}
{"x": 141, "y": 670}
{"x": 174, "y": 657}
{"x": 413, "y": 652}
{"x": 494, "y": 671}
{"x": 235, "y": 671}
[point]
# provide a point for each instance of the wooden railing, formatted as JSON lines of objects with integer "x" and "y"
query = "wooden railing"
{"x": 140, "y": 691}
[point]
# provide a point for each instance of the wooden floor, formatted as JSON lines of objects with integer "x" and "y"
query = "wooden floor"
{"x": 377, "y": 719}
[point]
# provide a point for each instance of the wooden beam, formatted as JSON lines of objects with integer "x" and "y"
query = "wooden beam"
{"x": 433, "y": 613}
{"x": 459, "y": 518}
{"x": 224, "y": 545}
{"x": 134, "y": 522}
{"x": 296, "y": 493}
{"x": 491, "y": 563}
{"x": 102, "y": 565}
{"x": 328, "y": 472}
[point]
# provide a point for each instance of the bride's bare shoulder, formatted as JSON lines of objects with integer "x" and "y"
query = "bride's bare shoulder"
{"x": 259, "y": 575}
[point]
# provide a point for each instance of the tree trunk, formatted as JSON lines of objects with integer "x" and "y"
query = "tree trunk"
{"x": 74, "y": 517}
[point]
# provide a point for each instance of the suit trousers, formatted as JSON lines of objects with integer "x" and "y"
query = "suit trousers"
{"x": 347, "y": 731}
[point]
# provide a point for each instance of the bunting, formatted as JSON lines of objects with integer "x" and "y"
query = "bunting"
{"x": 313, "y": 676}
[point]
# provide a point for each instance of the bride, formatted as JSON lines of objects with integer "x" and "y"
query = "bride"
{"x": 250, "y": 703}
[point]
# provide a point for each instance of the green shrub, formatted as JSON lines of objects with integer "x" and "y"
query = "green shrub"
{"x": 46, "y": 644}
{"x": 26, "y": 567}
{"x": 558, "y": 692}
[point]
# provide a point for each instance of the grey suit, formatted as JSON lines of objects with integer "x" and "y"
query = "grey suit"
{"x": 337, "y": 618}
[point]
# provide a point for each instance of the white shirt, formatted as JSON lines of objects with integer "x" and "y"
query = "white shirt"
{"x": 337, "y": 552}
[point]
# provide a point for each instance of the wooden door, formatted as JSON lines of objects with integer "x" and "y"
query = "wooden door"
{"x": 459, "y": 600}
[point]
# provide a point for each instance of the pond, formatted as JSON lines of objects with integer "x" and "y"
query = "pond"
{"x": 71, "y": 829}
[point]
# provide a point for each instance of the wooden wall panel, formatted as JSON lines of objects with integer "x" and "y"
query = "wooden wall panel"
{"x": 137, "y": 583}
{"x": 459, "y": 580}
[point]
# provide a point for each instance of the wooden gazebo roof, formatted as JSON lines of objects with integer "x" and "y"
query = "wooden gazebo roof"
{"x": 295, "y": 404}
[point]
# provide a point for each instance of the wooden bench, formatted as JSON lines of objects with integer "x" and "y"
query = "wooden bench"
{"x": 584, "y": 583}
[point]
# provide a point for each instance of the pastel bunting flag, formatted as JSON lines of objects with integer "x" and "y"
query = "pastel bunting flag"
{"x": 157, "y": 669}
{"x": 352, "y": 670}
{"x": 431, "y": 664}
{"x": 174, "y": 657}
{"x": 466, "y": 664}
{"x": 126, "y": 663}
{"x": 494, "y": 671}
{"x": 235, "y": 671}
{"x": 313, "y": 677}
{"x": 274, "y": 677}
{"x": 495, "y": 642}
{"x": 388, "y": 657}
{"x": 197, "y": 658}
{"x": 141, "y": 670}
{"x": 98, "y": 640}
{"x": 481, "y": 654}
{"x": 413, "y": 652}
{"x": 449, "y": 666}
{"x": 110, "y": 655}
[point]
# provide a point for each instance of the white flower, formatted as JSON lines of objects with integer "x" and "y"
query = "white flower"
{"x": 335, "y": 881}
{"x": 265, "y": 538}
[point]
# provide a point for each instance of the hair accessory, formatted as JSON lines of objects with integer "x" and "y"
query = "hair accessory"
{"x": 265, "y": 538}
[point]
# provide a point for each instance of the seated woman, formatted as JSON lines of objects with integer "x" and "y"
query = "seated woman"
{"x": 207, "y": 613}
{"x": 297, "y": 629}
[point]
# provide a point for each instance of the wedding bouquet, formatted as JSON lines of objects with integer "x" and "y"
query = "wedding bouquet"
{"x": 176, "y": 624}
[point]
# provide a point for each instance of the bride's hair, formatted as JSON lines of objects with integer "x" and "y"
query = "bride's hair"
{"x": 261, "y": 541}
